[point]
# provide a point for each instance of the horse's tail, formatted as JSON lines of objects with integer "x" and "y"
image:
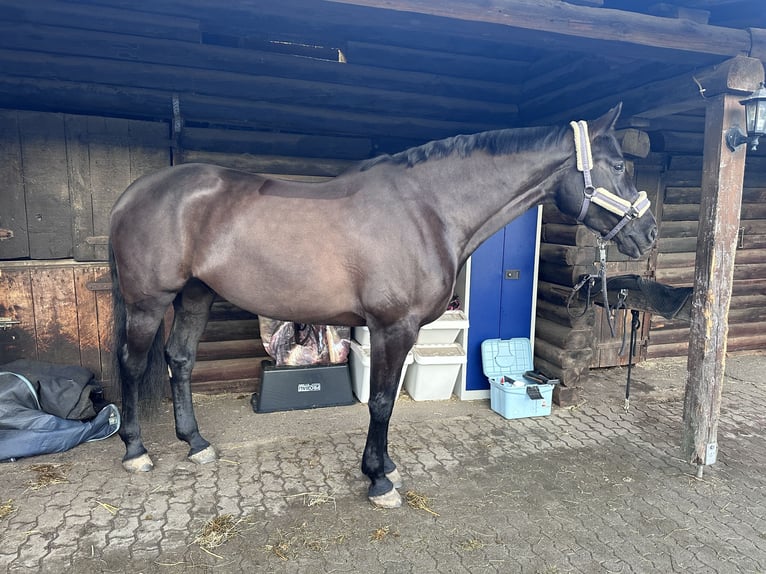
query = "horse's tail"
{"x": 151, "y": 386}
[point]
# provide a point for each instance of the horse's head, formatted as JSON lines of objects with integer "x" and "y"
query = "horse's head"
{"x": 599, "y": 192}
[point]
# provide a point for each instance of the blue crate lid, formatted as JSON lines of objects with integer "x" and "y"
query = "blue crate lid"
{"x": 506, "y": 357}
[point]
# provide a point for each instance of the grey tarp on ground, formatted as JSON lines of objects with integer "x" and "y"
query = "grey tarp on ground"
{"x": 40, "y": 408}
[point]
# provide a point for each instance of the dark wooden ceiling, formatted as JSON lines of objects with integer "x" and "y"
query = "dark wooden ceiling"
{"x": 383, "y": 75}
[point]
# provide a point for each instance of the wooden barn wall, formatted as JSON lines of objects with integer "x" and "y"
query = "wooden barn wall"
{"x": 677, "y": 248}
{"x": 63, "y": 173}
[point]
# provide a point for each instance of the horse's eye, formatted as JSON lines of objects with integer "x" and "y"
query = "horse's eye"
{"x": 619, "y": 167}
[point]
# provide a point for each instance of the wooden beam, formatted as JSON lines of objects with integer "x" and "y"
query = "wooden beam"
{"x": 722, "y": 179}
{"x": 583, "y": 22}
{"x": 674, "y": 95}
{"x": 105, "y": 18}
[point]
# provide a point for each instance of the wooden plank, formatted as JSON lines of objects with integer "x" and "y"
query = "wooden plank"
{"x": 722, "y": 179}
{"x": 460, "y": 66}
{"x": 210, "y": 350}
{"x": 571, "y": 377}
{"x": 56, "y": 326}
{"x": 621, "y": 27}
{"x": 246, "y": 385}
{"x": 562, "y": 336}
{"x": 634, "y": 142}
{"x": 16, "y": 304}
{"x": 742, "y": 257}
{"x": 676, "y": 244}
{"x": 13, "y": 213}
{"x": 231, "y": 330}
{"x": 106, "y": 350}
{"x": 222, "y": 370}
{"x": 49, "y": 214}
{"x": 275, "y": 143}
{"x": 87, "y": 320}
{"x": 565, "y": 358}
{"x": 678, "y": 142}
{"x": 559, "y": 314}
{"x": 565, "y": 254}
{"x": 110, "y": 175}
{"x": 80, "y": 186}
{"x": 222, "y": 310}
{"x": 578, "y": 235}
{"x": 105, "y": 18}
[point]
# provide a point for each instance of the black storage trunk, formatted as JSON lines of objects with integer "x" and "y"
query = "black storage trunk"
{"x": 290, "y": 388}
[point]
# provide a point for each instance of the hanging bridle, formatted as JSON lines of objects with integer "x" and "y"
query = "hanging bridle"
{"x": 609, "y": 201}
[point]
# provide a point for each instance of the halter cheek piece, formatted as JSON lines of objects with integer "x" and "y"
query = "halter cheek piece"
{"x": 599, "y": 195}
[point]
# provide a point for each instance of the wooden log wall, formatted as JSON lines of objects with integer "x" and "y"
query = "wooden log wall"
{"x": 677, "y": 245}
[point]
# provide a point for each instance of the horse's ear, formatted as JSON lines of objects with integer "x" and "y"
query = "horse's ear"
{"x": 605, "y": 122}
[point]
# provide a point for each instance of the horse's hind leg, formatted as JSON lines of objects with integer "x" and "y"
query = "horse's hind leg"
{"x": 140, "y": 364}
{"x": 192, "y": 307}
{"x": 390, "y": 346}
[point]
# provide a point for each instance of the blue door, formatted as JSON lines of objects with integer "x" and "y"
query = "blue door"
{"x": 502, "y": 288}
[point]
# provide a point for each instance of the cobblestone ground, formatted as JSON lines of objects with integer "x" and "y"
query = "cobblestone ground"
{"x": 587, "y": 489}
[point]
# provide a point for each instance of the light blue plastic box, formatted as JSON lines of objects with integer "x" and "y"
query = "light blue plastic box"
{"x": 504, "y": 359}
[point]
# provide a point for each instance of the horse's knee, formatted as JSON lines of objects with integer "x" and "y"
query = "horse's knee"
{"x": 180, "y": 362}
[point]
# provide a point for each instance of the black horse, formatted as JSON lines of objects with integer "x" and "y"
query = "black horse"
{"x": 400, "y": 227}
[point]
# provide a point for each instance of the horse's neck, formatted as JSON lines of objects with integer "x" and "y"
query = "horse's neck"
{"x": 480, "y": 194}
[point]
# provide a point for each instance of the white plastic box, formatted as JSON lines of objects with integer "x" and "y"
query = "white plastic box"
{"x": 433, "y": 374}
{"x": 442, "y": 331}
{"x": 359, "y": 361}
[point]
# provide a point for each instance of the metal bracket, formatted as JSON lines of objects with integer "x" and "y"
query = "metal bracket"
{"x": 711, "y": 453}
{"x": 7, "y": 323}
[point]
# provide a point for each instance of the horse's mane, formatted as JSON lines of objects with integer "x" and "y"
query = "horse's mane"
{"x": 496, "y": 142}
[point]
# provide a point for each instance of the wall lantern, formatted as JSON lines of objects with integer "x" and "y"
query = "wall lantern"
{"x": 755, "y": 121}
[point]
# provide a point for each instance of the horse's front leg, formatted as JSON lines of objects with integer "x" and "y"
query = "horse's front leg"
{"x": 191, "y": 308}
{"x": 390, "y": 346}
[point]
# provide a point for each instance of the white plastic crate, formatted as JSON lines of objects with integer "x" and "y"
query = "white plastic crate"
{"x": 433, "y": 374}
{"x": 359, "y": 361}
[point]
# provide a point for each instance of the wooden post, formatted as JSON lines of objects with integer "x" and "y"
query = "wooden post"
{"x": 722, "y": 178}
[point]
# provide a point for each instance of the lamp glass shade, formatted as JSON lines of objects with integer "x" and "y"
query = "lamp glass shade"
{"x": 755, "y": 112}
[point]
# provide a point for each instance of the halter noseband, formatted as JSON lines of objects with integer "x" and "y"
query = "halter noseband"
{"x": 599, "y": 195}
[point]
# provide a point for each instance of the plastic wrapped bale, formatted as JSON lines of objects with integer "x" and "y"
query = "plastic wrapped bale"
{"x": 300, "y": 344}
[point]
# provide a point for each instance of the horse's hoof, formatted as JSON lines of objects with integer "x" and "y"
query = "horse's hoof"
{"x": 141, "y": 463}
{"x": 390, "y": 499}
{"x": 395, "y": 478}
{"x": 204, "y": 456}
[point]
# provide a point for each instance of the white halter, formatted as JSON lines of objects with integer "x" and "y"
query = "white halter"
{"x": 599, "y": 195}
